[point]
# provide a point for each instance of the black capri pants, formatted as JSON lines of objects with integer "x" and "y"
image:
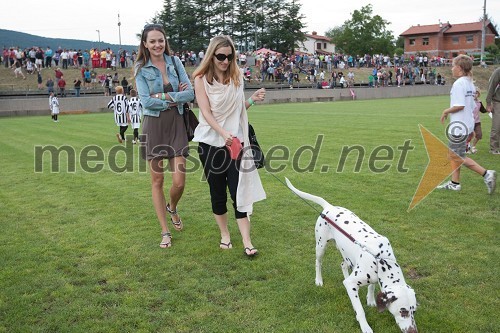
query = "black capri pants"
{"x": 222, "y": 173}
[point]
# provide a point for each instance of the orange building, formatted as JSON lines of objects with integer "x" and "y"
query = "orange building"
{"x": 447, "y": 40}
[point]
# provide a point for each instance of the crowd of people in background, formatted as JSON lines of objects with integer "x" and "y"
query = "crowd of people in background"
{"x": 34, "y": 59}
{"x": 38, "y": 58}
{"x": 329, "y": 71}
{"x": 324, "y": 71}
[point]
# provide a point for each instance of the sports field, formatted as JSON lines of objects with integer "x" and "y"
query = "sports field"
{"x": 79, "y": 240}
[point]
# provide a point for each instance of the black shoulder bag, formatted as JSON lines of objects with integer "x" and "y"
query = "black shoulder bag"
{"x": 190, "y": 120}
{"x": 258, "y": 155}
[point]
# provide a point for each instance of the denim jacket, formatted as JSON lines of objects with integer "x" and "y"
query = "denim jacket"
{"x": 149, "y": 81}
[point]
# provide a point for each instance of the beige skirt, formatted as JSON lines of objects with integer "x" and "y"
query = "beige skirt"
{"x": 164, "y": 136}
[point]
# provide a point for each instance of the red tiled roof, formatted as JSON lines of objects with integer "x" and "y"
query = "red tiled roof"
{"x": 423, "y": 29}
{"x": 465, "y": 27}
{"x": 453, "y": 28}
{"x": 470, "y": 27}
{"x": 318, "y": 37}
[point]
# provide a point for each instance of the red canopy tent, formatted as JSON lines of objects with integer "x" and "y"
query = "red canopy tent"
{"x": 265, "y": 51}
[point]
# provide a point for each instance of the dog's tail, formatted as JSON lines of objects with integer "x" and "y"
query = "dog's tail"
{"x": 320, "y": 201}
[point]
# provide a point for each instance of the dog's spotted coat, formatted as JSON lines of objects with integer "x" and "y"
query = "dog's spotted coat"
{"x": 370, "y": 261}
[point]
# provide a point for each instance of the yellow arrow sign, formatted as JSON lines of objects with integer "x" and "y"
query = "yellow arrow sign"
{"x": 438, "y": 168}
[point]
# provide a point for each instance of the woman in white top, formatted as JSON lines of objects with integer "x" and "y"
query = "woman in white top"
{"x": 219, "y": 92}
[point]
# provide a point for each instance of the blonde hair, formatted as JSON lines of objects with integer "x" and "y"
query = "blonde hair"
{"x": 207, "y": 66}
{"x": 464, "y": 62}
{"x": 119, "y": 89}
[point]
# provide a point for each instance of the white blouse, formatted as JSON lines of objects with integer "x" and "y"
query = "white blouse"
{"x": 227, "y": 102}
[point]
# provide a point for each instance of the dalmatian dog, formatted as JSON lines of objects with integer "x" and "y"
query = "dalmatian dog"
{"x": 370, "y": 259}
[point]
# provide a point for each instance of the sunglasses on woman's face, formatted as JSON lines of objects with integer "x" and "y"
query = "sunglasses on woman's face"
{"x": 222, "y": 56}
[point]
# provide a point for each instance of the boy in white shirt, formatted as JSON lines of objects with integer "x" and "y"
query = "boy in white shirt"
{"x": 461, "y": 125}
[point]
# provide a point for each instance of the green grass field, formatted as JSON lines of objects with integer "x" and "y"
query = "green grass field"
{"x": 79, "y": 250}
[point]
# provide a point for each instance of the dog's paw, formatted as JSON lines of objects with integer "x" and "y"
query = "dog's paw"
{"x": 319, "y": 283}
{"x": 370, "y": 302}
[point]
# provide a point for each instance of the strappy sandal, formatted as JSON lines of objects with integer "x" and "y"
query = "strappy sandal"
{"x": 226, "y": 246}
{"x": 247, "y": 250}
{"x": 177, "y": 225}
{"x": 166, "y": 240}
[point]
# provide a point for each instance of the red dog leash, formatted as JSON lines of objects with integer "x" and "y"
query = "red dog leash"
{"x": 338, "y": 228}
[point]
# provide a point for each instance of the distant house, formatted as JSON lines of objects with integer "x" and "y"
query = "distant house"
{"x": 447, "y": 40}
{"x": 315, "y": 43}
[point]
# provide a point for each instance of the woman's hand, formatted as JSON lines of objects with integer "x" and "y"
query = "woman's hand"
{"x": 228, "y": 138}
{"x": 259, "y": 95}
{"x": 183, "y": 86}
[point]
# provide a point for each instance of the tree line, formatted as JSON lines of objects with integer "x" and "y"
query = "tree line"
{"x": 274, "y": 24}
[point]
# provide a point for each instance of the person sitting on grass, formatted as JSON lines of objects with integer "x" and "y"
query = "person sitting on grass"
{"x": 30, "y": 67}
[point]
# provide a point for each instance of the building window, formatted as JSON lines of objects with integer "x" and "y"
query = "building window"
{"x": 324, "y": 46}
{"x": 318, "y": 46}
{"x": 454, "y": 39}
{"x": 425, "y": 41}
{"x": 412, "y": 41}
{"x": 470, "y": 38}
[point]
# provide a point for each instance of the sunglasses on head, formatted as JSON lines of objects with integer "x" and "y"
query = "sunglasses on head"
{"x": 222, "y": 56}
{"x": 152, "y": 26}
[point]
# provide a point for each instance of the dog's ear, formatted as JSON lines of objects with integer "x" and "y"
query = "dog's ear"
{"x": 384, "y": 299}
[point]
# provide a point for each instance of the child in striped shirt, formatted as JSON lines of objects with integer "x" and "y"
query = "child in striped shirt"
{"x": 135, "y": 114}
{"x": 120, "y": 106}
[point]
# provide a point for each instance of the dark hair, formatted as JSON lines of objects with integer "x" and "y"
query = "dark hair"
{"x": 143, "y": 55}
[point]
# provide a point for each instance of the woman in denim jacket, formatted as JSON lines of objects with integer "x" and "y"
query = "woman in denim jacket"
{"x": 162, "y": 94}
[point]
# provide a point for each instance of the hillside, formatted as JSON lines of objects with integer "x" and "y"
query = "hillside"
{"x": 10, "y": 38}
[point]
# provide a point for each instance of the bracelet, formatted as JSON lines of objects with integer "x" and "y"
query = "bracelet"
{"x": 163, "y": 96}
{"x": 251, "y": 101}
{"x": 156, "y": 96}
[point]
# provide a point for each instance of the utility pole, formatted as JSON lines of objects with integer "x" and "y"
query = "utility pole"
{"x": 99, "y": 36}
{"x": 255, "y": 25}
{"x": 119, "y": 30}
{"x": 483, "y": 35}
